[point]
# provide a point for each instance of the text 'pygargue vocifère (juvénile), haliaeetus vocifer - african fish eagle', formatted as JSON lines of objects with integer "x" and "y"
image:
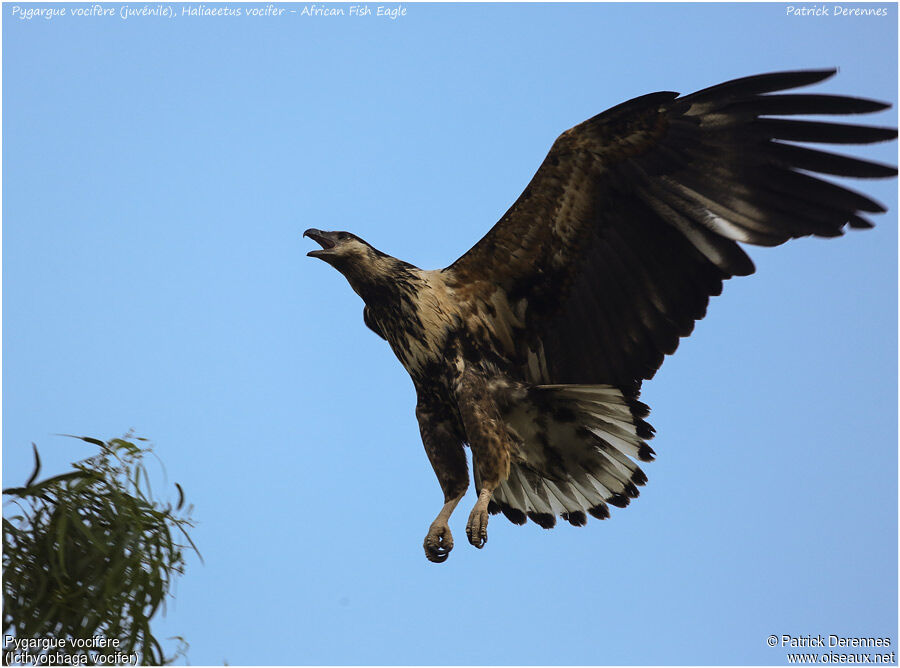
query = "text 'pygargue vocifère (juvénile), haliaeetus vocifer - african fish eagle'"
{"x": 531, "y": 348}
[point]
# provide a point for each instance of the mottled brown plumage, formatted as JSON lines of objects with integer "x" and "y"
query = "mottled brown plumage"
{"x": 531, "y": 347}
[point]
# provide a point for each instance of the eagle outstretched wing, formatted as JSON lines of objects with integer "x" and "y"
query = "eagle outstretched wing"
{"x": 630, "y": 224}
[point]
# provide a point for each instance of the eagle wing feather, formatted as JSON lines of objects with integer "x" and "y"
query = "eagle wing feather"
{"x": 631, "y": 222}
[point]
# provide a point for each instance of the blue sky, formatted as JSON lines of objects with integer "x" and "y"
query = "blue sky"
{"x": 157, "y": 176}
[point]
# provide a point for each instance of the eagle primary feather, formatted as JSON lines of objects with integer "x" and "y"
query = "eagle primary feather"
{"x": 531, "y": 348}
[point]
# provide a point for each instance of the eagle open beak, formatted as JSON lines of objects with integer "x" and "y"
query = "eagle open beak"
{"x": 324, "y": 239}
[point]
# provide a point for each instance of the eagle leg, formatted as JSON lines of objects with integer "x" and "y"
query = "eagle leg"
{"x": 476, "y": 527}
{"x": 439, "y": 540}
{"x": 443, "y": 443}
{"x": 487, "y": 436}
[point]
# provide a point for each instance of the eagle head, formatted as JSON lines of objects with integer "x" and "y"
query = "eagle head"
{"x": 342, "y": 250}
{"x": 338, "y": 248}
{"x": 361, "y": 264}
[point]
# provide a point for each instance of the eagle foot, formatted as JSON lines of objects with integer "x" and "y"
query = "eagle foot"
{"x": 476, "y": 527}
{"x": 438, "y": 542}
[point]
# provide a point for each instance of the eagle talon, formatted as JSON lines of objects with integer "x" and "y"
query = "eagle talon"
{"x": 438, "y": 543}
{"x": 476, "y": 527}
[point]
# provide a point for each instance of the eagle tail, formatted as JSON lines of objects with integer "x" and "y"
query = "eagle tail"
{"x": 575, "y": 453}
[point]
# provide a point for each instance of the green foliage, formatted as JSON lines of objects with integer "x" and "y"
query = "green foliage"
{"x": 91, "y": 554}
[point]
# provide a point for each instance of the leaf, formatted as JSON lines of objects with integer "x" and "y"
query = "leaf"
{"x": 33, "y": 490}
{"x": 86, "y": 439}
{"x": 120, "y": 444}
{"x": 37, "y": 466}
{"x": 194, "y": 547}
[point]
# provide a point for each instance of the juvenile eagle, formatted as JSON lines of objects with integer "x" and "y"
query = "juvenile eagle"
{"x": 532, "y": 346}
